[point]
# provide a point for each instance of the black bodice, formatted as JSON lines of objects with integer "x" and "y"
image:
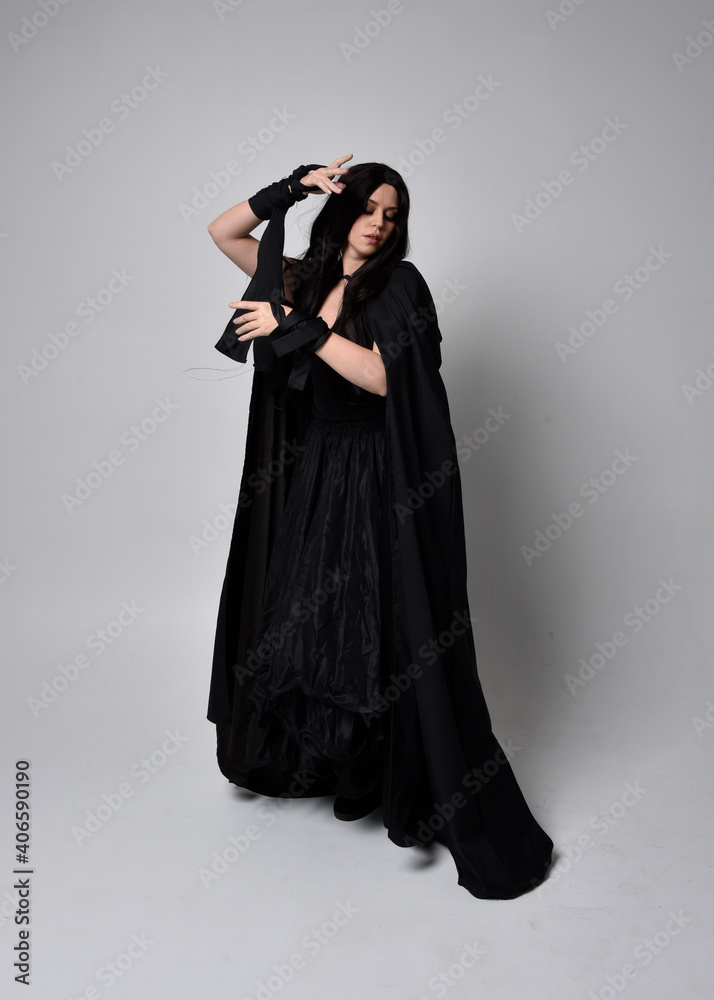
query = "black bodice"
{"x": 336, "y": 398}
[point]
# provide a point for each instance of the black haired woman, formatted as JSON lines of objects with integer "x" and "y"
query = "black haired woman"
{"x": 344, "y": 659}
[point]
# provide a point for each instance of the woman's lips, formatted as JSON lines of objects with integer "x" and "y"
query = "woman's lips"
{"x": 372, "y": 239}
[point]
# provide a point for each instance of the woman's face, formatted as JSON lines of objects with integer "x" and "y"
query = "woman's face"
{"x": 373, "y": 228}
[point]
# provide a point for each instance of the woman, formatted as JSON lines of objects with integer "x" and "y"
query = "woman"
{"x": 344, "y": 660}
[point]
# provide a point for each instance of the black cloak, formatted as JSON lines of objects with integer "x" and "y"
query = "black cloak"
{"x": 447, "y": 777}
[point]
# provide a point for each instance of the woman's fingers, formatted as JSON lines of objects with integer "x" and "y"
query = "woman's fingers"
{"x": 336, "y": 166}
{"x": 257, "y": 319}
{"x": 247, "y": 317}
{"x": 329, "y": 186}
{"x": 322, "y": 177}
{"x": 247, "y": 326}
{"x": 318, "y": 180}
{"x": 339, "y": 161}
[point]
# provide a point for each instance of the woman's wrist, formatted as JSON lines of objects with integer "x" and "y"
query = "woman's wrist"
{"x": 299, "y": 330}
{"x": 281, "y": 194}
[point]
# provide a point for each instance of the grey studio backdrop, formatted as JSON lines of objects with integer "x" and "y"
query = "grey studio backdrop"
{"x": 559, "y": 160}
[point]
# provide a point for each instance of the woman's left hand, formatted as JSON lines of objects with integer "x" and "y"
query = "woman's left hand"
{"x": 257, "y": 321}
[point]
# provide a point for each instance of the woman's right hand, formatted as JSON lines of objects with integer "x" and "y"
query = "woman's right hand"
{"x": 322, "y": 177}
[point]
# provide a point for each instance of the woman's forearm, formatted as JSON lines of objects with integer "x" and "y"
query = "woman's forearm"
{"x": 235, "y": 223}
{"x": 360, "y": 365}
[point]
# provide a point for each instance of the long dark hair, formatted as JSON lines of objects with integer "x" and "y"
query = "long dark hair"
{"x": 320, "y": 267}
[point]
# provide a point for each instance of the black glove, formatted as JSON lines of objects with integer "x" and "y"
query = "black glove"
{"x": 297, "y": 330}
{"x": 283, "y": 193}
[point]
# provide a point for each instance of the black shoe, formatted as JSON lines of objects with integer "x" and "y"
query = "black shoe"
{"x": 348, "y": 809}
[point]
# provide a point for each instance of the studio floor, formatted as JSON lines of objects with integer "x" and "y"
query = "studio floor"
{"x": 153, "y": 876}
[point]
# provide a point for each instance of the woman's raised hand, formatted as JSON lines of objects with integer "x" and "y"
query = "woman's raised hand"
{"x": 322, "y": 177}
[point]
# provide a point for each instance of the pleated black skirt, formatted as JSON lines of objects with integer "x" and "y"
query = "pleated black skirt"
{"x": 323, "y": 647}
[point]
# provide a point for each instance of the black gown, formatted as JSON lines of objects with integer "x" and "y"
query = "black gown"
{"x": 444, "y": 774}
{"x": 320, "y": 658}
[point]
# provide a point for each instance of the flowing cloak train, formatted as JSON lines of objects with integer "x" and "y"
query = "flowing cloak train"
{"x": 447, "y": 777}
